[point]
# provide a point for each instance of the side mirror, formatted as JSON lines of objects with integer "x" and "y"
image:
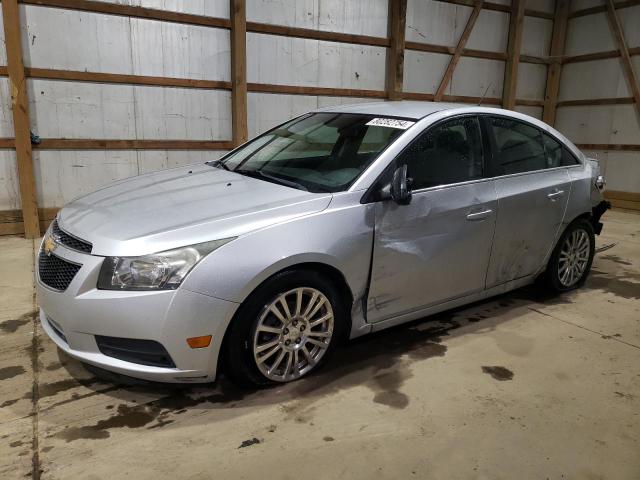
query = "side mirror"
{"x": 399, "y": 190}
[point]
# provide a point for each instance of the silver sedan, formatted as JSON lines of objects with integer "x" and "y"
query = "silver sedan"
{"x": 338, "y": 223}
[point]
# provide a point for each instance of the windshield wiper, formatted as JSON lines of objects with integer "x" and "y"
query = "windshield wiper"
{"x": 217, "y": 164}
{"x": 269, "y": 178}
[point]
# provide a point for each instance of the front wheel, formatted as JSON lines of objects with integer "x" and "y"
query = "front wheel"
{"x": 571, "y": 260}
{"x": 285, "y": 330}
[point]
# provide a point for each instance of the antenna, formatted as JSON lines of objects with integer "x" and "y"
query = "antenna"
{"x": 485, "y": 93}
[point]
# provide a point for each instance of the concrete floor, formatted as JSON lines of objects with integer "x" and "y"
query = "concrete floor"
{"x": 521, "y": 386}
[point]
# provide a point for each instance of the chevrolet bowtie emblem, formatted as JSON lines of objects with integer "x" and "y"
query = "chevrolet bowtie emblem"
{"x": 49, "y": 245}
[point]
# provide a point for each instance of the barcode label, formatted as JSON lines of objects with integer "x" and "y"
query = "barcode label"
{"x": 391, "y": 123}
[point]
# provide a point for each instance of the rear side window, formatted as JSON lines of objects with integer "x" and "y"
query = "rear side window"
{"x": 448, "y": 153}
{"x": 519, "y": 147}
{"x": 553, "y": 149}
{"x": 568, "y": 159}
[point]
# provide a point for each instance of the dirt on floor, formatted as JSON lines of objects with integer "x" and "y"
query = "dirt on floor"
{"x": 525, "y": 385}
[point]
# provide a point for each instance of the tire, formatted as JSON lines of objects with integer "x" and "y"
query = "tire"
{"x": 568, "y": 268}
{"x": 253, "y": 346}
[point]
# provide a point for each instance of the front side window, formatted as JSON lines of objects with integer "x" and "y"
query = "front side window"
{"x": 321, "y": 152}
{"x": 445, "y": 154}
{"x": 518, "y": 147}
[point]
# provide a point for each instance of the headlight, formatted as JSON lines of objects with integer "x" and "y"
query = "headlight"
{"x": 158, "y": 271}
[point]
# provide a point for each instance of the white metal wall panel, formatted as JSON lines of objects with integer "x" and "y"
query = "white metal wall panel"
{"x": 62, "y": 176}
{"x": 72, "y": 40}
{"x": 360, "y": 17}
{"x": 295, "y": 61}
{"x": 542, "y": 5}
{"x": 535, "y": 112}
{"x": 589, "y": 34}
{"x": 6, "y": 117}
{"x": 9, "y": 187}
{"x": 210, "y": 8}
{"x": 536, "y": 36}
{"x": 630, "y": 20}
{"x": 180, "y": 113}
{"x": 490, "y": 32}
{"x": 532, "y": 81}
{"x": 62, "y": 109}
{"x": 423, "y": 71}
{"x": 3, "y": 52}
{"x": 599, "y": 124}
{"x": 440, "y": 23}
{"x": 597, "y": 79}
{"x": 154, "y": 160}
{"x": 474, "y": 76}
{"x": 581, "y": 4}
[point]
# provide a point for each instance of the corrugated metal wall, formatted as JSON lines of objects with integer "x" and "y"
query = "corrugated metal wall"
{"x": 86, "y": 41}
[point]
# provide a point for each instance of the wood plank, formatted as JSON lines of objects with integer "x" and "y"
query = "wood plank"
{"x": 322, "y": 35}
{"x": 595, "y": 102}
{"x": 395, "y": 54}
{"x": 613, "y": 147}
{"x": 109, "y": 144}
{"x": 20, "y": 111}
{"x": 558, "y": 40}
{"x": 12, "y": 216}
{"x": 501, "y": 8}
{"x": 7, "y": 143}
{"x": 516, "y": 20}
{"x": 589, "y": 57}
{"x": 626, "y": 204}
{"x": 453, "y": 62}
{"x": 627, "y": 65}
{"x": 239, "y": 71}
{"x": 470, "y": 52}
{"x": 630, "y": 196}
{"x": 99, "y": 77}
{"x": 133, "y": 11}
{"x": 320, "y": 91}
{"x": 602, "y": 8}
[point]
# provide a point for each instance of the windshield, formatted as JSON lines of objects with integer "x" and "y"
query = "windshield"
{"x": 320, "y": 152}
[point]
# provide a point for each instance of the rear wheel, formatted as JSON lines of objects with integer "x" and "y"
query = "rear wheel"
{"x": 571, "y": 260}
{"x": 285, "y": 329}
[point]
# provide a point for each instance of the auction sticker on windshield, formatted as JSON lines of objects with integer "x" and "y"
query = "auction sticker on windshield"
{"x": 391, "y": 123}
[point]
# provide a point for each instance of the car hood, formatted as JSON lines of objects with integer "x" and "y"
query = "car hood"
{"x": 183, "y": 206}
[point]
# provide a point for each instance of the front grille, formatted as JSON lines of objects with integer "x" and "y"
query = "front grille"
{"x": 56, "y": 329}
{"x": 144, "y": 352}
{"x": 56, "y": 272}
{"x": 70, "y": 241}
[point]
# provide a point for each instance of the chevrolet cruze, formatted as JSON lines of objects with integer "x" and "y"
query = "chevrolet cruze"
{"x": 338, "y": 223}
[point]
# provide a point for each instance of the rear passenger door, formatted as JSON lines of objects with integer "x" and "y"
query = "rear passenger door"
{"x": 532, "y": 187}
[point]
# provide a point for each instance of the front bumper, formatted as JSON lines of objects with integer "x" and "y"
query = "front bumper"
{"x": 169, "y": 317}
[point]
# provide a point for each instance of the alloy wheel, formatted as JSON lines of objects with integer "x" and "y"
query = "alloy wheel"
{"x": 293, "y": 334}
{"x": 574, "y": 257}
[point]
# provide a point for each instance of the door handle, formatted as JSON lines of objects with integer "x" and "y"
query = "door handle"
{"x": 474, "y": 216}
{"x": 556, "y": 193}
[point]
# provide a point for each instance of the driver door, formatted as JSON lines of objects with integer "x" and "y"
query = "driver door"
{"x": 436, "y": 248}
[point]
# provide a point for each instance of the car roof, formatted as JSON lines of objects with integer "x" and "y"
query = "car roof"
{"x": 404, "y": 108}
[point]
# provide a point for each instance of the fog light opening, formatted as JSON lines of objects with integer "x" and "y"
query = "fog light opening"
{"x": 199, "y": 342}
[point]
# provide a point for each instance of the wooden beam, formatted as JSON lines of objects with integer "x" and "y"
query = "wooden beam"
{"x": 498, "y": 7}
{"x": 239, "y": 71}
{"x": 446, "y": 78}
{"x": 397, "y": 19}
{"x": 558, "y": 40}
{"x": 20, "y": 110}
{"x": 603, "y": 8}
{"x": 319, "y": 91}
{"x": 627, "y": 65}
{"x": 133, "y": 11}
{"x": 322, "y": 35}
{"x": 111, "y": 144}
{"x": 595, "y": 102}
{"x": 613, "y": 147}
{"x": 510, "y": 84}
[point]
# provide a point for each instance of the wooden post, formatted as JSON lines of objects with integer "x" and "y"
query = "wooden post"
{"x": 558, "y": 39}
{"x": 632, "y": 80}
{"x": 20, "y": 110}
{"x": 395, "y": 53}
{"x": 446, "y": 79}
{"x": 516, "y": 18}
{"x": 239, "y": 71}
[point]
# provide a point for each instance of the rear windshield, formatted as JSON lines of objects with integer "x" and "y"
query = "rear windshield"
{"x": 320, "y": 152}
